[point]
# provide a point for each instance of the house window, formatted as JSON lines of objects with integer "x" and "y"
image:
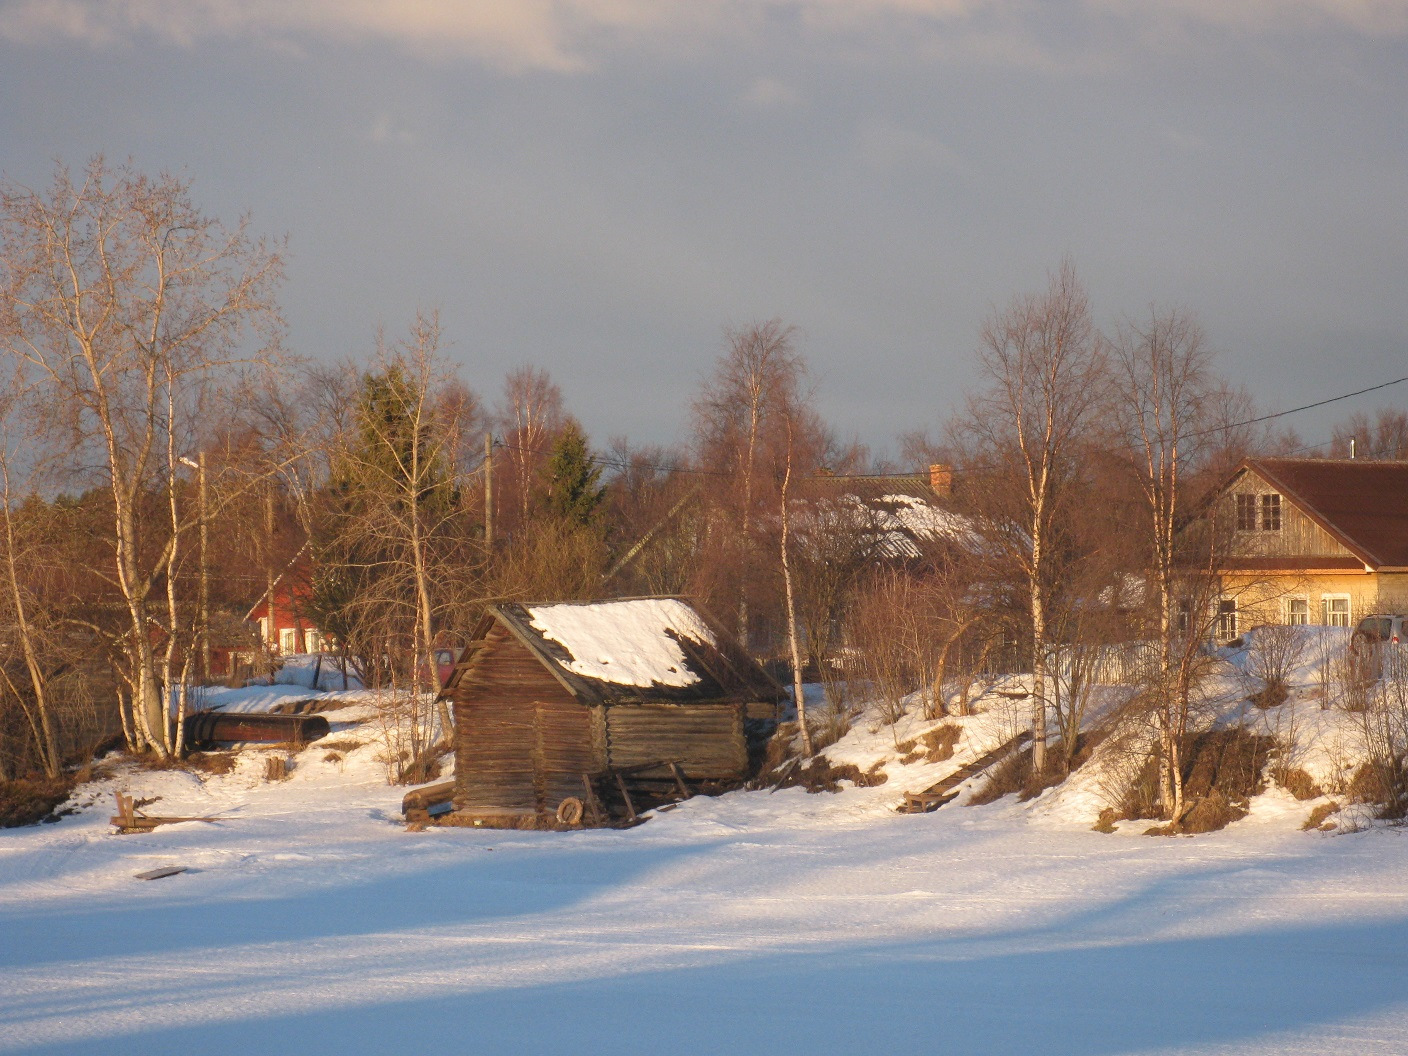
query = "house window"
{"x": 1271, "y": 513}
{"x": 312, "y": 642}
{"x": 1226, "y": 618}
{"x": 1336, "y": 610}
{"x": 1259, "y": 512}
{"x": 1246, "y": 513}
{"x": 1298, "y": 611}
{"x": 1182, "y": 615}
{"x": 288, "y": 641}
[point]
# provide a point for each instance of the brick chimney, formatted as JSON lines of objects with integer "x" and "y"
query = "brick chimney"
{"x": 941, "y": 479}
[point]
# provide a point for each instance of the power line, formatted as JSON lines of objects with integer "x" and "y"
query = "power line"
{"x": 624, "y": 464}
{"x": 1297, "y": 410}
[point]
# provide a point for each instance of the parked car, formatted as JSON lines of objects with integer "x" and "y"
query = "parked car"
{"x": 1377, "y": 629}
{"x": 445, "y": 659}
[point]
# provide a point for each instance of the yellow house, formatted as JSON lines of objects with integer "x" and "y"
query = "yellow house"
{"x": 1313, "y": 540}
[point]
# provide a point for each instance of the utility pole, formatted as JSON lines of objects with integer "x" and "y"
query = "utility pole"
{"x": 203, "y": 626}
{"x": 204, "y": 571}
{"x": 489, "y": 491}
{"x": 273, "y": 640}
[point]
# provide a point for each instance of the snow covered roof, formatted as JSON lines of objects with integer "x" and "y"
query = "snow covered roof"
{"x": 636, "y": 649}
{"x": 908, "y": 521}
{"x": 908, "y": 516}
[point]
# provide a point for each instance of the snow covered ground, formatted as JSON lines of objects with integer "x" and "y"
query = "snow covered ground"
{"x": 311, "y": 921}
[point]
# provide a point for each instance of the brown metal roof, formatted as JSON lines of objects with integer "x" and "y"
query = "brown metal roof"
{"x": 1362, "y": 504}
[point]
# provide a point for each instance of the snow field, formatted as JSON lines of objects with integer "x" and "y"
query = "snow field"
{"x": 758, "y": 922}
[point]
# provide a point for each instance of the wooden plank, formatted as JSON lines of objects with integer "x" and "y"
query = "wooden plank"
{"x": 626, "y": 795}
{"x": 157, "y": 874}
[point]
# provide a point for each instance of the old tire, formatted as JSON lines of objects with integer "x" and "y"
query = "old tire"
{"x": 570, "y": 810}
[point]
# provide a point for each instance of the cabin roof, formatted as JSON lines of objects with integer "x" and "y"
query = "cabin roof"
{"x": 632, "y": 649}
{"x": 1363, "y": 505}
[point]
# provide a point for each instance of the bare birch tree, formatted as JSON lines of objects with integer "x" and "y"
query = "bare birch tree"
{"x": 1044, "y": 379}
{"x": 126, "y": 307}
{"x": 789, "y": 592}
{"x": 1165, "y": 394}
{"x": 529, "y": 416}
{"x": 739, "y": 426}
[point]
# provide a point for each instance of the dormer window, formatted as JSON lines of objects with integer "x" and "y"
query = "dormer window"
{"x": 1259, "y": 512}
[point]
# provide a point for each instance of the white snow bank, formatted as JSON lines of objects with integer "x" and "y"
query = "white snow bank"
{"x": 627, "y": 643}
{"x": 316, "y": 671}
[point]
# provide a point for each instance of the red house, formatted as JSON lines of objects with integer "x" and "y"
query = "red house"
{"x": 285, "y": 627}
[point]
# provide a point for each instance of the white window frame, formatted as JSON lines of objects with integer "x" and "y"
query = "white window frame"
{"x": 1248, "y": 511}
{"x": 1297, "y": 619}
{"x": 1330, "y": 616}
{"x": 1225, "y": 628}
{"x": 288, "y": 641}
{"x": 1270, "y": 510}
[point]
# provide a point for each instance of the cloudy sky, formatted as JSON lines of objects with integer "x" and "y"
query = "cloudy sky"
{"x": 599, "y": 187}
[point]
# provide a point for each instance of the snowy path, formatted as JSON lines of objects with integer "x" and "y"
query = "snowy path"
{"x": 753, "y": 923}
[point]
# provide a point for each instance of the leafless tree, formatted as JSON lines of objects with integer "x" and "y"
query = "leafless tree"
{"x": 528, "y": 417}
{"x": 1045, "y": 377}
{"x": 128, "y": 309}
{"x": 1384, "y": 437}
{"x": 740, "y": 431}
{"x": 397, "y": 539}
{"x": 790, "y": 593}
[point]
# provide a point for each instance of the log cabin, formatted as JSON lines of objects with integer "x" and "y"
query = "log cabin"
{"x": 550, "y": 699}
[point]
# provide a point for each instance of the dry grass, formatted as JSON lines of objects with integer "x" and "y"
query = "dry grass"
{"x": 1299, "y": 784}
{"x": 212, "y": 763}
{"x": 941, "y": 742}
{"x": 343, "y": 745}
{"x": 1318, "y": 816}
{"x": 1015, "y": 773}
{"x": 1222, "y": 771}
{"x": 822, "y": 775}
{"x": 32, "y": 800}
{"x": 1107, "y": 820}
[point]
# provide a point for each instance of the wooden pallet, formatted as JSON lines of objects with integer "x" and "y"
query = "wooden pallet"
{"x": 936, "y": 795}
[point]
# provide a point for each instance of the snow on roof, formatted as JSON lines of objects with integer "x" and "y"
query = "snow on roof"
{"x": 628, "y": 643}
{"x": 903, "y": 519}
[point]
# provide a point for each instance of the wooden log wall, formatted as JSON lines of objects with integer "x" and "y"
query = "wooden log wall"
{"x": 707, "y": 737}
{"x": 522, "y": 741}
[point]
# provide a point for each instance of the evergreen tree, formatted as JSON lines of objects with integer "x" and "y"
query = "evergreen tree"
{"x": 572, "y": 490}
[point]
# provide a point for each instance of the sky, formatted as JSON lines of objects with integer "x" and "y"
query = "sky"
{"x": 601, "y": 187}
